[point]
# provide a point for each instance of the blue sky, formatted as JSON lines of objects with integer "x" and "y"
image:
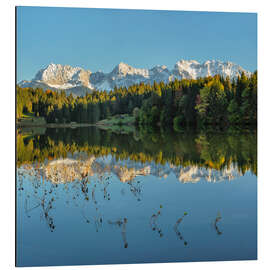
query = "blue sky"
{"x": 98, "y": 39}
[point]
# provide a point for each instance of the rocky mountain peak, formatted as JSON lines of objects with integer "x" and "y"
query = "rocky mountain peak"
{"x": 78, "y": 80}
{"x": 122, "y": 68}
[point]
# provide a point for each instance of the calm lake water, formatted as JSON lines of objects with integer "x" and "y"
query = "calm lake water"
{"x": 86, "y": 196}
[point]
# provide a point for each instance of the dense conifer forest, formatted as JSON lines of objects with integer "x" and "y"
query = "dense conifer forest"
{"x": 204, "y": 101}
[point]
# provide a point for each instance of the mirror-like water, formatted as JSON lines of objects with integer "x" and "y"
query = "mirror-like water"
{"x": 86, "y": 196}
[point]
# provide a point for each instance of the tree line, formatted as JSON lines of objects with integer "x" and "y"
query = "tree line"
{"x": 204, "y": 149}
{"x": 205, "y": 101}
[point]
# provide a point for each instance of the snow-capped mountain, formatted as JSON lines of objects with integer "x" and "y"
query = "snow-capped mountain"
{"x": 61, "y": 77}
{"x": 78, "y": 80}
{"x": 193, "y": 69}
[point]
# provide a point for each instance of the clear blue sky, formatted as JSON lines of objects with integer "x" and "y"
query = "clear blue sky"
{"x": 98, "y": 39}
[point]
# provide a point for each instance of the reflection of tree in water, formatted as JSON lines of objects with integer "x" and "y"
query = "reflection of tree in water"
{"x": 175, "y": 227}
{"x": 216, "y": 150}
{"x": 153, "y": 223}
{"x": 218, "y": 218}
{"x": 122, "y": 224}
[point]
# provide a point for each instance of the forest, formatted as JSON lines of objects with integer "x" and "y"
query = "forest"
{"x": 215, "y": 101}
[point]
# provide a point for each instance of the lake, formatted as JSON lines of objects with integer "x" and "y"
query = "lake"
{"x": 90, "y": 196}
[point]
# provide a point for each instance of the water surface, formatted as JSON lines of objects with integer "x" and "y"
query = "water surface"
{"x": 86, "y": 196}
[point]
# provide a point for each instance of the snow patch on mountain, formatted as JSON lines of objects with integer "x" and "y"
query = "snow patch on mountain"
{"x": 78, "y": 81}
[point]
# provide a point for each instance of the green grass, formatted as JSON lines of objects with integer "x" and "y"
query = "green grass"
{"x": 28, "y": 115}
{"x": 31, "y": 119}
{"x": 119, "y": 120}
{"x": 121, "y": 123}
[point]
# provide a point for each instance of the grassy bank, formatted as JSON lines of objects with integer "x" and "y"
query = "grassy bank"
{"x": 29, "y": 120}
{"x": 121, "y": 123}
{"x": 119, "y": 120}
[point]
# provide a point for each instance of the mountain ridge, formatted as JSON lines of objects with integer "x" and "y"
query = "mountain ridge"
{"x": 78, "y": 81}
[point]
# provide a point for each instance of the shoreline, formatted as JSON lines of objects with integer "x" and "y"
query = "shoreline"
{"x": 54, "y": 125}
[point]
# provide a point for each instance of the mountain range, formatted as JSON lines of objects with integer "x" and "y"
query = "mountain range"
{"x": 78, "y": 81}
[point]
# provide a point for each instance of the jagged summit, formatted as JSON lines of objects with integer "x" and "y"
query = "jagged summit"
{"x": 125, "y": 69}
{"x": 78, "y": 80}
{"x": 56, "y": 72}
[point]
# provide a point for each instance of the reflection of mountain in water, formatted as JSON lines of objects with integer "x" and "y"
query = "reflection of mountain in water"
{"x": 218, "y": 151}
{"x": 71, "y": 169}
{"x": 68, "y": 170}
{"x": 195, "y": 174}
